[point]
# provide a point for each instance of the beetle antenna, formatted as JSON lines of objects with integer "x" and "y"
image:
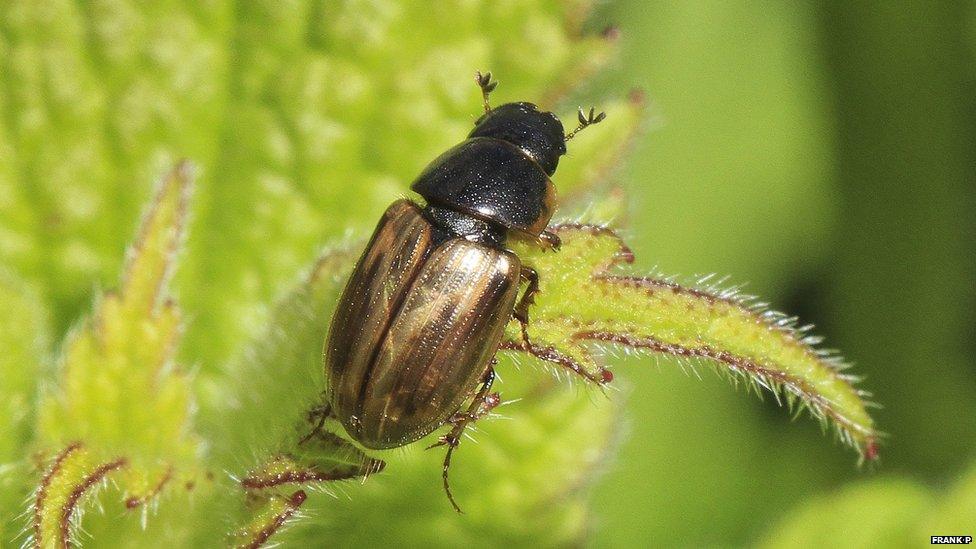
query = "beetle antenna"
{"x": 585, "y": 120}
{"x": 487, "y": 85}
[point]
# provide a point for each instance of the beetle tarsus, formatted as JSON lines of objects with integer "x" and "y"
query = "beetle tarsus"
{"x": 585, "y": 120}
{"x": 447, "y": 483}
{"x": 487, "y": 85}
{"x": 482, "y": 403}
{"x": 550, "y": 241}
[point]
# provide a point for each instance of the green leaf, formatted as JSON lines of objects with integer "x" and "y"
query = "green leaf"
{"x": 880, "y": 513}
{"x": 588, "y": 303}
{"x": 24, "y": 341}
{"x": 120, "y": 403}
{"x": 523, "y": 477}
{"x": 72, "y": 478}
{"x": 259, "y": 407}
{"x": 269, "y": 515}
{"x": 260, "y": 412}
{"x": 585, "y": 302}
{"x": 287, "y": 108}
{"x": 317, "y": 459}
{"x": 888, "y": 512}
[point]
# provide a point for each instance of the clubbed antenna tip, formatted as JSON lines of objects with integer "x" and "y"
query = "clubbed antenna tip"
{"x": 487, "y": 85}
{"x": 586, "y": 119}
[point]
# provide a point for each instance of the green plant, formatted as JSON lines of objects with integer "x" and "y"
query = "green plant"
{"x": 293, "y": 133}
{"x": 891, "y": 512}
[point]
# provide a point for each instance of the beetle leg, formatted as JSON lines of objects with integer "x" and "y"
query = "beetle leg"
{"x": 553, "y": 356}
{"x": 484, "y": 401}
{"x": 318, "y": 414}
{"x": 550, "y": 241}
{"x": 487, "y": 85}
{"x": 547, "y": 354}
{"x": 528, "y": 297}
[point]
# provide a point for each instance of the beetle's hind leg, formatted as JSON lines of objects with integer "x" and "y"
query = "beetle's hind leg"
{"x": 483, "y": 403}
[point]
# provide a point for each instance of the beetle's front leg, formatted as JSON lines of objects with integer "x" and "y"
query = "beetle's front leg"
{"x": 483, "y": 403}
{"x": 521, "y": 313}
{"x": 550, "y": 241}
{"x": 547, "y": 354}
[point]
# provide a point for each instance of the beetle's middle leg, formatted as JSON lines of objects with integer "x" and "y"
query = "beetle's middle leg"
{"x": 483, "y": 403}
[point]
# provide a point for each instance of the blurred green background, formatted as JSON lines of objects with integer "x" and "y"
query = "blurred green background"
{"x": 823, "y": 152}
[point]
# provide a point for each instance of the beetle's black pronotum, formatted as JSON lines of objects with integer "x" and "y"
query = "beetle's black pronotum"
{"x": 416, "y": 329}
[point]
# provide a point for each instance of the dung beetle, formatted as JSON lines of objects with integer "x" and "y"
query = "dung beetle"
{"x": 416, "y": 329}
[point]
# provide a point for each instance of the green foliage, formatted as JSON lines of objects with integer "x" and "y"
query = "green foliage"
{"x": 306, "y": 119}
{"x": 117, "y": 367}
{"x": 71, "y": 480}
{"x": 893, "y": 512}
{"x": 587, "y": 301}
{"x": 287, "y": 111}
{"x": 287, "y": 108}
{"x": 877, "y": 514}
{"x": 119, "y": 403}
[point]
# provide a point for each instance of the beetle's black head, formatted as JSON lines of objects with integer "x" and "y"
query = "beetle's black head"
{"x": 538, "y": 133}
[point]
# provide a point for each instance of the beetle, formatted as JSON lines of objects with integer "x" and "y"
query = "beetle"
{"x": 415, "y": 331}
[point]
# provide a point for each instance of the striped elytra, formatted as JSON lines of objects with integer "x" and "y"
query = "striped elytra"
{"x": 416, "y": 328}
